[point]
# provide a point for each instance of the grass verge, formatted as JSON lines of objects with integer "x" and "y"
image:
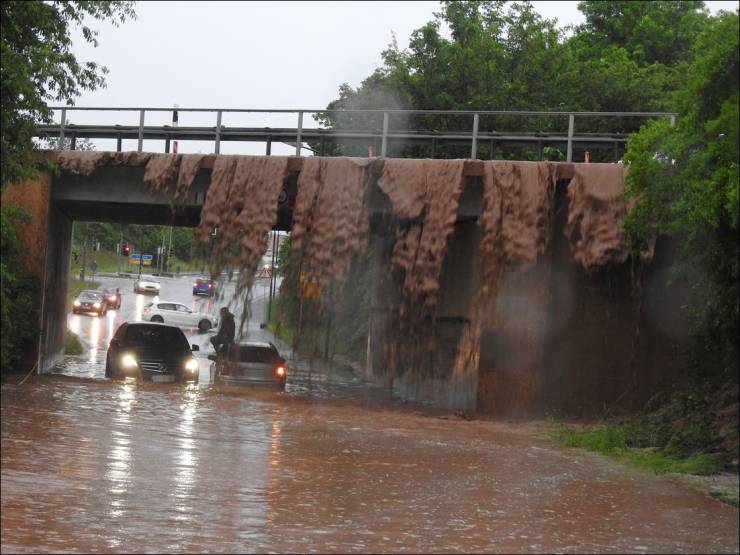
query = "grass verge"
{"x": 72, "y": 345}
{"x": 616, "y": 441}
{"x": 109, "y": 262}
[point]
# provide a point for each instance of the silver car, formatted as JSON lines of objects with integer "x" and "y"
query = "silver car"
{"x": 251, "y": 364}
{"x": 146, "y": 285}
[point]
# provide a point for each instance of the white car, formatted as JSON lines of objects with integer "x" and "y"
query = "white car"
{"x": 178, "y": 314}
{"x": 146, "y": 285}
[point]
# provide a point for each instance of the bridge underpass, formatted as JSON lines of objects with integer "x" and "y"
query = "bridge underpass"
{"x": 548, "y": 339}
{"x": 558, "y": 326}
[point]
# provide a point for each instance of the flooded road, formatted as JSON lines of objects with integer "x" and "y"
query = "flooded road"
{"x": 94, "y": 465}
{"x": 97, "y": 466}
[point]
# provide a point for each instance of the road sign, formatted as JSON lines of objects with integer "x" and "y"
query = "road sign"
{"x": 147, "y": 259}
{"x": 134, "y": 259}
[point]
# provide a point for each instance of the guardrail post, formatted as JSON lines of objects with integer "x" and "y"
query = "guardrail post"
{"x": 571, "y": 128}
{"x": 299, "y": 132}
{"x": 61, "y": 128}
{"x": 218, "y": 132}
{"x": 474, "y": 147}
{"x": 384, "y": 141}
{"x": 141, "y": 130}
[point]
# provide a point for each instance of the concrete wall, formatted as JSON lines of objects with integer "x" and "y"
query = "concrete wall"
{"x": 55, "y": 285}
{"x": 566, "y": 341}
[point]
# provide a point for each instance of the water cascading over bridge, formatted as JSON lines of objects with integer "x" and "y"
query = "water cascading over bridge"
{"x": 501, "y": 286}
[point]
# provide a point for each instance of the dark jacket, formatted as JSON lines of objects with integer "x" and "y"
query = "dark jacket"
{"x": 226, "y": 330}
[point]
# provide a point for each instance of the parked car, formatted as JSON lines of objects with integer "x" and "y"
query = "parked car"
{"x": 113, "y": 300}
{"x": 204, "y": 286}
{"x": 153, "y": 352}
{"x": 251, "y": 364}
{"x": 178, "y": 314}
{"x": 146, "y": 285}
{"x": 90, "y": 300}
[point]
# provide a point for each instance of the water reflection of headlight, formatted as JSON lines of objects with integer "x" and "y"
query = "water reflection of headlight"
{"x": 139, "y": 308}
{"x": 94, "y": 337}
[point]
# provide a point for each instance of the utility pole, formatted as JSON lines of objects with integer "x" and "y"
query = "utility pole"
{"x": 120, "y": 252}
{"x": 84, "y": 254}
{"x": 169, "y": 250}
{"x": 141, "y": 252}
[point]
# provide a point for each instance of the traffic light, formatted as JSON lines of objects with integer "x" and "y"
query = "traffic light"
{"x": 126, "y": 250}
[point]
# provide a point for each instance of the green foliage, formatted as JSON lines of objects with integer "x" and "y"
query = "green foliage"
{"x": 615, "y": 441}
{"x": 649, "y": 32}
{"x": 38, "y": 67}
{"x": 17, "y": 301}
{"x": 686, "y": 179}
{"x": 305, "y": 323}
{"x": 72, "y": 345}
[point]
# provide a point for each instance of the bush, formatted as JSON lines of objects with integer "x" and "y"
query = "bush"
{"x": 17, "y": 298}
{"x": 72, "y": 345}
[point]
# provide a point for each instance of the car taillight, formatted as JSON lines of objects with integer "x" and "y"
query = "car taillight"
{"x": 210, "y": 285}
{"x": 280, "y": 372}
{"x": 195, "y": 285}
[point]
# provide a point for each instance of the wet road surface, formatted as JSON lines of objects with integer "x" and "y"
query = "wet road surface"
{"x": 93, "y": 465}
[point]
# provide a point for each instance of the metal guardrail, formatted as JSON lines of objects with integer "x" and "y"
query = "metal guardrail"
{"x": 298, "y": 134}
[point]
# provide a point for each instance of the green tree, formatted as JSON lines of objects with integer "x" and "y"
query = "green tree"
{"x": 493, "y": 55}
{"x": 16, "y": 291}
{"x": 686, "y": 180}
{"x": 38, "y": 67}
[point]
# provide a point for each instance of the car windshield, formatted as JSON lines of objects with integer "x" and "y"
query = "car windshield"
{"x": 155, "y": 336}
{"x": 90, "y": 295}
{"x": 251, "y": 353}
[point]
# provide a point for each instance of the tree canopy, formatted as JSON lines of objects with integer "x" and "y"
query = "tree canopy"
{"x": 38, "y": 67}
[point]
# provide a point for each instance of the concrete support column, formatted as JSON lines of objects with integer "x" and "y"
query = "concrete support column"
{"x": 55, "y": 285}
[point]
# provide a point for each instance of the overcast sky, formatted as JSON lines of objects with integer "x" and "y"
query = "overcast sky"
{"x": 251, "y": 55}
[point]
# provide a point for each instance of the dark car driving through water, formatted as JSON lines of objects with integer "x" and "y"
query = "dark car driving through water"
{"x": 153, "y": 352}
{"x": 251, "y": 364}
{"x": 91, "y": 301}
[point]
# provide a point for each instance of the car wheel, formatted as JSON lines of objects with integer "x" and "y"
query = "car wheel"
{"x": 204, "y": 325}
{"x": 156, "y": 318}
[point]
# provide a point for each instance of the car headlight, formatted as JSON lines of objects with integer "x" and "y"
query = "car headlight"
{"x": 128, "y": 361}
{"x": 77, "y": 303}
{"x": 156, "y": 286}
{"x": 192, "y": 365}
{"x": 97, "y": 305}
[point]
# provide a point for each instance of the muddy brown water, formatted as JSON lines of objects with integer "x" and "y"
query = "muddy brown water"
{"x": 100, "y": 466}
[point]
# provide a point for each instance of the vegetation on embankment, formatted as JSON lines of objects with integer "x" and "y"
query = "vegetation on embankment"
{"x": 691, "y": 433}
{"x": 339, "y": 327}
{"x": 72, "y": 345}
{"x": 108, "y": 261}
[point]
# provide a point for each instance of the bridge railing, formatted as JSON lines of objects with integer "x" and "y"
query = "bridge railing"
{"x": 218, "y": 133}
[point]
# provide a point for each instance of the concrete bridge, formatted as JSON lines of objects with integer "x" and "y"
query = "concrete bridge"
{"x": 584, "y": 340}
